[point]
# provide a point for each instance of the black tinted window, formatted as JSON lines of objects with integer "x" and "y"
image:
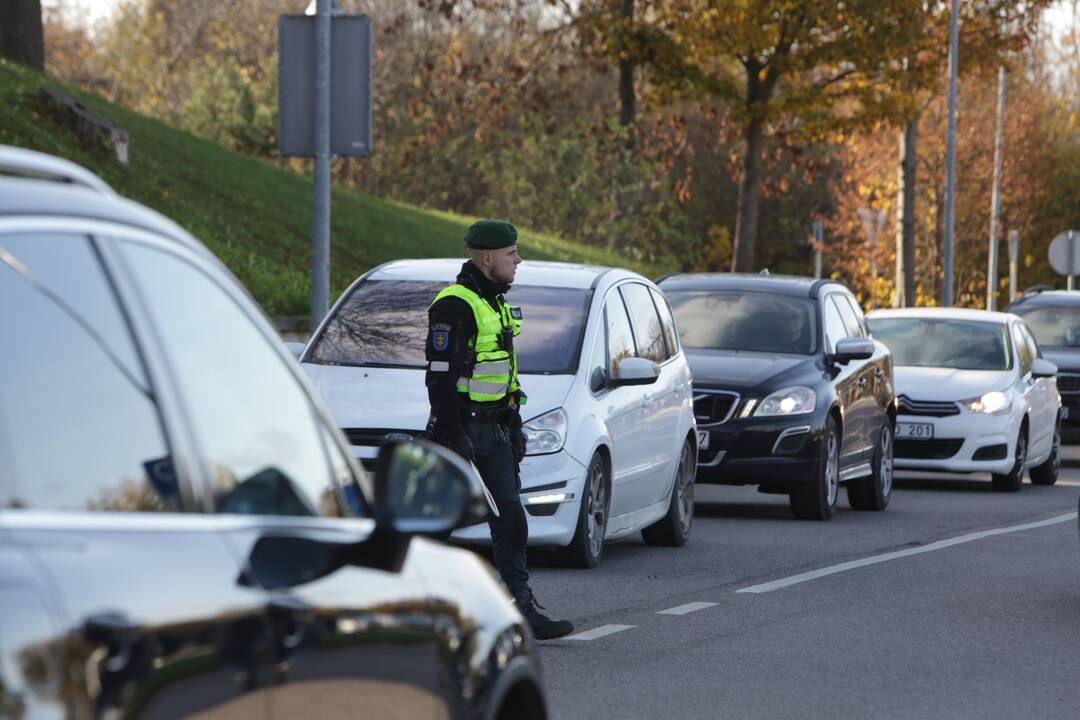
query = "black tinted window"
{"x": 668, "y": 322}
{"x": 933, "y": 342}
{"x": 384, "y": 322}
{"x": 77, "y": 414}
{"x": 255, "y": 426}
{"x": 748, "y": 321}
{"x": 1052, "y": 326}
{"x": 648, "y": 333}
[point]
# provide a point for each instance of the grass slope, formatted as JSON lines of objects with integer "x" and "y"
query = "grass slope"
{"x": 254, "y": 215}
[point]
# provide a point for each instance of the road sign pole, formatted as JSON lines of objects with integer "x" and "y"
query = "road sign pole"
{"x": 950, "y": 157}
{"x": 320, "y": 199}
{"x": 1014, "y": 257}
{"x": 1072, "y": 260}
{"x": 819, "y": 240}
{"x": 995, "y": 200}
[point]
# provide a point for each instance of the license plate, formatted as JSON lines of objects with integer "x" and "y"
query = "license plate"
{"x": 703, "y": 439}
{"x": 914, "y": 431}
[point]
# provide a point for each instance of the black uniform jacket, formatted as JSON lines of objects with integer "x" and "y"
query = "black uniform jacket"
{"x": 450, "y": 327}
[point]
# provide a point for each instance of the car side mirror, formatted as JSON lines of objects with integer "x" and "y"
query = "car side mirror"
{"x": 636, "y": 371}
{"x": 1043, "y": 368}
{"x": 425, "y": 489}
{"x": 296, "y": 349}
{"x": 849, "y": 349}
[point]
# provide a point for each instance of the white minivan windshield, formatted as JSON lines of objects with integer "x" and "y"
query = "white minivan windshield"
{"x": 383, "y": 323}
{"x": 958, "y": 344}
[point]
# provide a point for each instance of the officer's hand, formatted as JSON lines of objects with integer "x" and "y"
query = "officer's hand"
{"x": 461, "y": 444}
{"x": 518, "y": 443}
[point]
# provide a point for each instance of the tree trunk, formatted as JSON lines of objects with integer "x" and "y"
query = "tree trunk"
{"x": 22, "y": 38}
{"x": 742, "y": 259}
{"x": 627, "y": 110}
{"x": 626, "y": 75}
{"x": 905, "y": 224}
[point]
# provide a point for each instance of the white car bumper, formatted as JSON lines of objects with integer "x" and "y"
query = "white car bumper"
{"x": 553, "y": 483}
{"x": 974, "y": 437}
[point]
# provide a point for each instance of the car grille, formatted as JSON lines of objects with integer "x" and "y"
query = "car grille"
{"x": 712, "y": 407}
{"x": 928, "y": 449}
{"x": 1068, "y": 383}
{"x": 377, "y": 437}
{"x": 927, "y": 408}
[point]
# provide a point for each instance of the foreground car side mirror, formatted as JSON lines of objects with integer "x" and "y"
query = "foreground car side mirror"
{"x": 1043, "y": 368}
{"x": 850, "y": 349}
{"x": 636, "y": 371}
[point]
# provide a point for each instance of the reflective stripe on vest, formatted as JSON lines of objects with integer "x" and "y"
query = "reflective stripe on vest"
{"x": 494, "y": 371}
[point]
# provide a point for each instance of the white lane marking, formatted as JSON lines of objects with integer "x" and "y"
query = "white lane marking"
{"x": 687, "y": 608}
{"x": 875, "y": 559}
{"x": 599, "y": 632}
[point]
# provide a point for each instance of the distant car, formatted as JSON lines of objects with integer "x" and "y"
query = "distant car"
{"x": 609, "y": 417}
{"x": 974, "y": 394}
{"x": 183, "y": 531}
{"x": 1053, "y": 316}
{"x": 790, "y": 392}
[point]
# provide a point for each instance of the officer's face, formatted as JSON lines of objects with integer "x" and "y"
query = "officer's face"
{"x": 504, "y": 264}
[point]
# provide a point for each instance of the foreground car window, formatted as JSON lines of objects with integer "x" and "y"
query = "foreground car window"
{"x": 383, "y": 323}
{"x": 750, "y": 321}
{"x": 958, "y": 344}
{"x": 257, "y": 431}
{"x": 1053, "y": 326}
{"x": 79, "y": 427}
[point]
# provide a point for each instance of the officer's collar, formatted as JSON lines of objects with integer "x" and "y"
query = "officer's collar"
{"x": 472, "y": 278}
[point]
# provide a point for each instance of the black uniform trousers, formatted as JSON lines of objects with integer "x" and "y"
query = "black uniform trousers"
{"x": 494, "y": 458}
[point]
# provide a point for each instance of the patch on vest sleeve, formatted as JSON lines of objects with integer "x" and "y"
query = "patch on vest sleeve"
{"x": 440, "y": 340}
{"x": 515, "y": 312}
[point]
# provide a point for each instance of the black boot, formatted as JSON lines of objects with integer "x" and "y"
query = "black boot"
{"x": 543, "y": 627}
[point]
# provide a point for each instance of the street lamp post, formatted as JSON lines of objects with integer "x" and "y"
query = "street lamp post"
{"x": 950, "y": 156}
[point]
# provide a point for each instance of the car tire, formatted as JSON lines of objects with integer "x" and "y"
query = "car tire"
{"x": 1013, "y": 480}
{"x": 818, "y": 502}
{"x": 873, "y": 492}
{"x": 587, "y": 547}
{"x": 673, "y": 530}
{"x": 1047, "y": 473}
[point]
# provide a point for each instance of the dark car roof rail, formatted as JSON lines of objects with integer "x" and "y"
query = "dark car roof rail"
{"x": 1036, "y": 289}
{"x": 818, "y": 284}
{"x": 30, "y": 163}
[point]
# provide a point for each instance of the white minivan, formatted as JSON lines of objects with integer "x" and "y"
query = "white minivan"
{"x": 612, "y": 441}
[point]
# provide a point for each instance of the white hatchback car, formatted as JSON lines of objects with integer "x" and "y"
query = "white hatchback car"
{"x": 973, "y": 394}
{"x": 612, "y": 443}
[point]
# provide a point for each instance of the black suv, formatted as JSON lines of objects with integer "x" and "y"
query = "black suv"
{"x": 790, "y": 391}
{"x": 183, "y": 531}
{"x": 1054, "y": 319}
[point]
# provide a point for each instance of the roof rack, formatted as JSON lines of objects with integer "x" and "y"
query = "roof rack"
{"x": 30, "y": 163}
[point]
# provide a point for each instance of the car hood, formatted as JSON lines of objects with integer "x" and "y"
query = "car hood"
{"x": 740, "y": 370}
{"x": 396, "y": 398}
{"x": 927, "y": 383}
{"x": 1066, "y": 360}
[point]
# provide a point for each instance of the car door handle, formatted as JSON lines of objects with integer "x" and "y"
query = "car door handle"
{"x": 646, "y": 400}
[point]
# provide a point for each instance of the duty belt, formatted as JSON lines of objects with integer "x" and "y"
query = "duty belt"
{"x": 501, "y": 414}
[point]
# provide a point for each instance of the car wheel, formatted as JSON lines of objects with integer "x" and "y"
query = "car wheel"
{"x": 673, "y": 530}
{"x": 585, "y": 550}
{"x": 1014, "y": 479}
{"x": 1047, "y": 473}
{"x": 818, "y": 502}
{"x": 873, "y": 492}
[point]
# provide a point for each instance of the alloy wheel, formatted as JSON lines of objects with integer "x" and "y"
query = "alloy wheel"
{"x": 596, "y": 510}
{"x": 886, "y": 462}
{"x": 832, "y": 462}
{"x": 684, "y": 486}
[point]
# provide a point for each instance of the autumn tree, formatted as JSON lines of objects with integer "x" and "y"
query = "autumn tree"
{"x": 22, "y": 38}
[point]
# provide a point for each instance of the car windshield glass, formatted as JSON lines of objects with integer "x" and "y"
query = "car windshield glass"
{"x": 746, "y": 321}
{"x": 383, "y": 323}
{"x": 1053, "y": 326}
{"x": 959, "y": 344}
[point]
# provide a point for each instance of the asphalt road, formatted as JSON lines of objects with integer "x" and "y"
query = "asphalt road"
{"x": 973, "y": 612}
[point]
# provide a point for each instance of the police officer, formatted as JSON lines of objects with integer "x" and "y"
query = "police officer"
{"x": 475, "y": 399}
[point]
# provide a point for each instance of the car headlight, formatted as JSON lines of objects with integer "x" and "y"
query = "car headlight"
{"x": 545, "y": 434}
{"x": 789, "y": 401}
{"x": 994, "y": 402}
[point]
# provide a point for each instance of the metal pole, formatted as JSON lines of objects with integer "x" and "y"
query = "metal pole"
{"x": 320, "y": 198}
{"x": 995, "y": 198}
{"x": 1014, "y": 258}
{"x": 950, "y": 156}
{"x": 819, "y": 240}
{"x": 1072, "y": 261}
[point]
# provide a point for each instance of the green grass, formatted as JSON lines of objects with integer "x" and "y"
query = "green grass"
{"x": 252, "y": 214}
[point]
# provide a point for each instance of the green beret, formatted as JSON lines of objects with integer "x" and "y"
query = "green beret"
{"x": 490, "y": 235}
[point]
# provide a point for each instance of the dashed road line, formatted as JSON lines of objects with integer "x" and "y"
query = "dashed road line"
{"x": 599, "y": 632}
{"x": 885, "y": 557}
{"x": 687, "y": 608}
